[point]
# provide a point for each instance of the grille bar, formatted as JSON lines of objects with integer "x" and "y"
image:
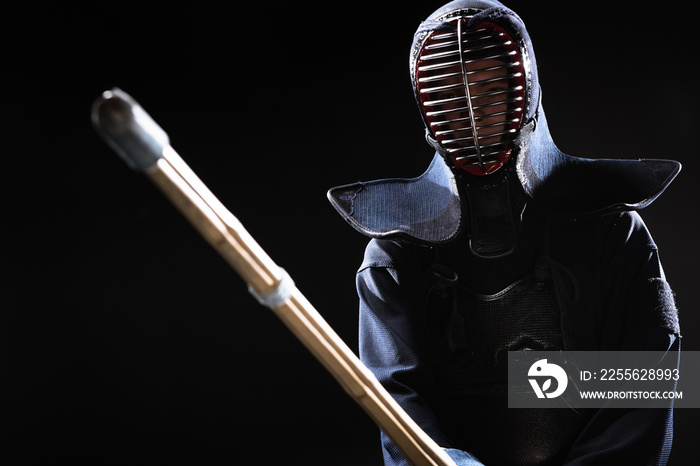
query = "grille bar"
{"x": 468, "y": 96}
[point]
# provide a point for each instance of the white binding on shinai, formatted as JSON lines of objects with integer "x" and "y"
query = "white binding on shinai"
{"x": 277, "y": 296}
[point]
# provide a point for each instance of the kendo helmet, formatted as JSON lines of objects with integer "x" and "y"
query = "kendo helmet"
{"x": 480, "y": 100}
{"x": 471, "y": 78}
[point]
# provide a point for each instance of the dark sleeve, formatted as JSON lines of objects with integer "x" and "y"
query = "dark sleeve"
{"x": 388, "y": 285}
{"x": 639, "y": 314}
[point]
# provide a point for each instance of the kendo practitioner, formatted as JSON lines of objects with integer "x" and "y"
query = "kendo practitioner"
{"x": 505, "y": 244}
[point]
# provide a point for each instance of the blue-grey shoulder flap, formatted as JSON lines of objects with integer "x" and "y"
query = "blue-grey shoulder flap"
{"x": 425, "y": 209}
{"x": 577, "y": 185}
{"x": 585, "y": 186}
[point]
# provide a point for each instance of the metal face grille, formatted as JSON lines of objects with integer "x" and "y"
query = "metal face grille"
{"x": 472, "y": 93}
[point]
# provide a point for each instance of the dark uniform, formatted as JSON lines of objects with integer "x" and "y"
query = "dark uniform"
{"x": 504, "y": 244}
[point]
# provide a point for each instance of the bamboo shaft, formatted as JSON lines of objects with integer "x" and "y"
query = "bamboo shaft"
{"x": 230, "y": 239}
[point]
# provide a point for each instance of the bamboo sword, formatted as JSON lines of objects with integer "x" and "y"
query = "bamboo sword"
{"x": 145, "y": 147}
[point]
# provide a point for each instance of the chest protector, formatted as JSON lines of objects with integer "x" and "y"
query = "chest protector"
{"x": 469, "y": 336}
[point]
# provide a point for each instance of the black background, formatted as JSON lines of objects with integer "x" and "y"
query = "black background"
{"x": 124, "y": 337}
